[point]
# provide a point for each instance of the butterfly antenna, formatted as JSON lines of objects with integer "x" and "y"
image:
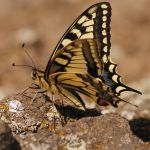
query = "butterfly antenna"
{"x": 29, "y": 56}
{"x": 14, "y": 65}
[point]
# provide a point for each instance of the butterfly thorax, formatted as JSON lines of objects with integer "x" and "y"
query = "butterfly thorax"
{"x": 44, "y": 84}
{"x": 38, "y": 77}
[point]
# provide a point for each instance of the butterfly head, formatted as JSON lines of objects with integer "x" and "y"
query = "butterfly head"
{"x": 38, "y": 77}
{"x": 35, "y": 74}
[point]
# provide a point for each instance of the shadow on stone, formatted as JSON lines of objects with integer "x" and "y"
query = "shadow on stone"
{"x": 7, "y": 140}
{"x": 16, "y": 146}
{"x": 74, "y": 113}
{"x": 141, "y": 128}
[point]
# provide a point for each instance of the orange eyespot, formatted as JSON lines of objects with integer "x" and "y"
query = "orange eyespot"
{"x": 102, "y": 102}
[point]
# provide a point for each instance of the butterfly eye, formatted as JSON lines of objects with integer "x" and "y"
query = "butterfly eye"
{"x": 34, "y": 75}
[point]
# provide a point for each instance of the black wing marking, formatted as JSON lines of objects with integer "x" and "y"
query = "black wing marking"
{"x": 111, "y": 78}
{"x": 80, "y": 56}
{"x": 93, "y": 23}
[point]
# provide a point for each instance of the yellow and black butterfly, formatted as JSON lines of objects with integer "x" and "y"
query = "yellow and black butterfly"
{"x": 81, "y": 64}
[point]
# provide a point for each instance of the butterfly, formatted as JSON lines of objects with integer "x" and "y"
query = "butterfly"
{"x": 80, "y": 65}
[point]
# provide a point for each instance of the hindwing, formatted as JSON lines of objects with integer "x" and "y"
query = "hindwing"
{"x": 75, "y": 87}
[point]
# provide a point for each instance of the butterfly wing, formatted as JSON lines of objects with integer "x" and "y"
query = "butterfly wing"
{"x": 73, "y": 86}
{"x": 93, "y": 23}
{"x": 80, "y": 56}
{"x": 81, "y": 88}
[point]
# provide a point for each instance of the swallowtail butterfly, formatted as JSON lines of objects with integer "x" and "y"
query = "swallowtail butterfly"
{"x": 81, "y": 63}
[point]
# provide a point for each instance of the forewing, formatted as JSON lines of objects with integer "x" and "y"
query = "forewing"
{"x": 80, "y": 56}
{"x": 93, "y": 23}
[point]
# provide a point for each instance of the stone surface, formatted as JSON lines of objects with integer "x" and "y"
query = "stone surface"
{"x": 104, "y": 132}
{"x": 37, "y": 125}
{"x": 7, "y": 141}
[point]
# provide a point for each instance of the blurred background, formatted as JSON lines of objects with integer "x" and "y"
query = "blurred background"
{"x": 41, "y": 23}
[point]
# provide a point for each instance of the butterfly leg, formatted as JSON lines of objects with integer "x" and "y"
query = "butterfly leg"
{"x": 35, "y": 95}
{"x": 30, "y": 87}
{"x": 23, "y": 91}
{"x": 62, "y": 101}
{"x": 34, "y": 86}
{"x": 55, "y": 115}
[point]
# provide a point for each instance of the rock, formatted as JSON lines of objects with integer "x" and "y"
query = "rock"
{"x": 36, "y": 125}
{"x": 104, "y": 132}
{"x": 139, "y": 118}
{"x": 25, "y": 114}
{"x": 7, "y": 141}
